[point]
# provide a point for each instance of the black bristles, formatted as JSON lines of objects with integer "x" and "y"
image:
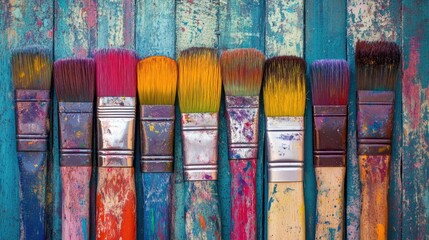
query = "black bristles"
{"x": 330, "y": 81}
{"x": 75, "y": 79}
{"x": 377, "y": 65}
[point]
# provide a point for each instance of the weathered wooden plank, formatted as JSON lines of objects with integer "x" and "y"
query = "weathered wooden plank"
{"x": 22, "y": 23}
{"x": 115, "y": 23}
{"x": 325, "y": 35}
{"x": 284, "y": 24}
{"x": 155, "y": 28}
{"x": 371, "y": 20}
{"x": 415, "y": 95}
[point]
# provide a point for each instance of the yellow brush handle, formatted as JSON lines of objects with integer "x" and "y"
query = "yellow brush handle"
{"x": 286, "y": 211}
{"x": 330, "y": 202}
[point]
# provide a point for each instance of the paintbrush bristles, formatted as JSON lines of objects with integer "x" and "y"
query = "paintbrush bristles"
{"x": 32, "y": 68}
{"x": 377, "y": 65}
{"x": 116, "y": 73}
{"x": 200, "y": 81}
{"x": 75, "y": 79}
{"x": 284, "y": 88}
{"x": 330, "y": 81}
{"x": 242, "y": 71}
{"x": 157, "y": 81}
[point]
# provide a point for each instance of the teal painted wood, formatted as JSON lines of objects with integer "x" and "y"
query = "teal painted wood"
{"x": 415, "y": 165}
{"x": 155, "y": 28}
{"x": 325, "y": 35}
{"x": 361, "y": 24}
{"x": 75, "y": 36}
{"x": 21, "y": 24}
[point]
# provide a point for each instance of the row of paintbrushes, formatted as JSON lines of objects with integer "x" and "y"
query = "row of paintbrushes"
{"x": 117, "y": 74}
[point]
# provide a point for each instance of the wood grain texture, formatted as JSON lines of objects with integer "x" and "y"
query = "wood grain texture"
{"x": 157, "y": 194}
{"x": 330, "y": 202}
{"x": 415, "y": 174}
{"x": 243, "y": 199}
{"x": 115, "y": 23}
{"x": 202, "y": 213}
{"x": 286, "y": 211}
{"x": 75, "y": 202}
{"x": 116, "y": 204}
{"x": 284, "y": 25}
{"x": 361, "y": 24}
{"x": 155, "y": 28}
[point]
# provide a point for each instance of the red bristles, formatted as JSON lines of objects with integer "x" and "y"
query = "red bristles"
{"x": 116, "y": 73}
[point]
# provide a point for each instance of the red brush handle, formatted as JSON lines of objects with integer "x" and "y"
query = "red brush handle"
{"x": 243, "y": 199}
{"x": 116, "y": 204}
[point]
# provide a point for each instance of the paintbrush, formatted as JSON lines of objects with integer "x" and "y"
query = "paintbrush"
{"x": 156, "y": 82}
{"x": 284, "y": 101}
{"x": 377, "y": 65}
{"x": 330, "y": 89}
{"x": 31, "y": 74}
{"x": 116, "y": 83}
{"x": 242, "y": 71}
{"x": 74, "y": 84}
{"x": 199, "y": 100}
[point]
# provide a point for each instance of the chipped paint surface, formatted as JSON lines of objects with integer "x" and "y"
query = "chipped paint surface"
{"x": 75, "y": 202}
{"x": 116, "y": 204}
{"x": 284, "y": 28}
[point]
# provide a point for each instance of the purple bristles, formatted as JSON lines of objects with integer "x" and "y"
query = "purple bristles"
{"x": 330, "y": 79}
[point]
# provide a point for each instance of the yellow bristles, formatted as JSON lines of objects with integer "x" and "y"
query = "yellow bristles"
{"x": 157, "y": 80}
{"x": 199, "y": 81}
{"x": 284, "y": 88}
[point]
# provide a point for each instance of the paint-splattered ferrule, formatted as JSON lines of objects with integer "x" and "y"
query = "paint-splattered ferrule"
{"x": 32, "y": 120}
{"x": 242, "y": 120}
{"x": 200, "y": 146}
{"x": 75, "y": 122}
{"x": 285, "y": 148}
{"x": 116, "y": 117}
{"x": 375, "y": 122}
{"x": 157, "y": 138}
{"x": 330, "y": 135}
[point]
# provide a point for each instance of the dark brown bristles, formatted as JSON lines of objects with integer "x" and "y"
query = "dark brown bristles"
{"x": 32, "y": 68}
{"x": 330, "y": 81}
{"x": 377, "y": 65}
{"x": 242, "y": 71}
{"x": 116, "y": 74}
{"x": 75, "y": 79}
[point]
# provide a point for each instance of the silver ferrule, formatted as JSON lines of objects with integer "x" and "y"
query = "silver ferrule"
{"x": 116, "y": 117}
{"x": 285, "y": 148}
{"x": 200, "y": 146}
{"x": 242, "y": 119}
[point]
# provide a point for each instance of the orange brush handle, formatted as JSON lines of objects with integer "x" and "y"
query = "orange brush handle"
{"x": 116, "y": 204}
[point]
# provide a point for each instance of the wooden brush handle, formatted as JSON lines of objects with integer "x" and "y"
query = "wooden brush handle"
{"x": 116, "y": 204}
{"x": 330, "y": 202}
{"x": 157, "y": 189}
{"x": 75, "y": 202}
{"x": 202, "y": 210}
{"x": 286, "y": 211}
{"x": 374, "y": 175}
{"x": 32, "y": 182}
{"x": 243, "y": 199}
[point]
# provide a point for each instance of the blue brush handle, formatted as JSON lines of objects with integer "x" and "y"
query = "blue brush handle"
{"x": 32, "y": 182}
{"x": 157, "y": 188}
{"x": 202, "y": 210}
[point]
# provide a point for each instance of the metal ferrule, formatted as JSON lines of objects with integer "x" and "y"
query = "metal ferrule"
{"x": 32, "y": 120}
{"x": 75, "y": 122}
{"x": 116, "y": 117}
{"x": 157, "y": 138}
{"x": 200, "y": 146}
{"x": 285, "y": 148}
{"x": 375, "y": 122}
{"x": 242, "y": 120}
{"x": 330, "y": 135}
